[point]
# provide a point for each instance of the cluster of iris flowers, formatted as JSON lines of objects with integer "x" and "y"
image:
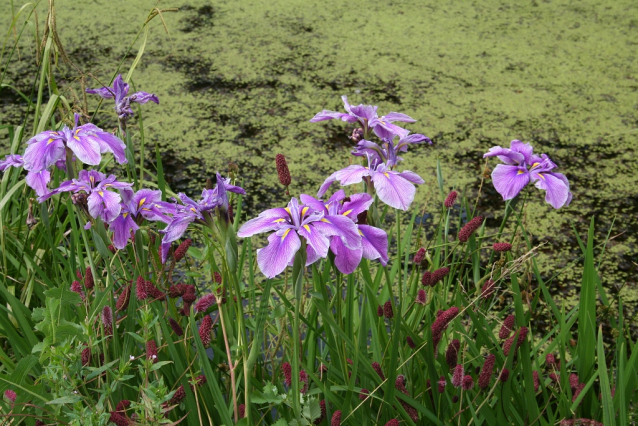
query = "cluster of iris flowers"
{"x": 338, "y": 224}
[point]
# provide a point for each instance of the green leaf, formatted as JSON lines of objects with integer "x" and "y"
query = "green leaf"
{"x": 65, "y": 400}
{"x": 160, "y": 364}
{"x": 587, "y": 312}
{"x": 608, "y": 404}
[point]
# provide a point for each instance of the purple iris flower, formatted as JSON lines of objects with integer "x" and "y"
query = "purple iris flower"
{"x": 119, "y": 91}
{"x": 366, "y": 115}
{"x": 293, "y": 222}
{"x": 101, "y": 202}
{"x": 396, "y": 189}
{"x": 144, "y": 204}
{"x": 87, "y": 142}
{"x": 374, "y": 241}
{"x": 523, "y": 167}
{"x": 38, "y": 181}
{"x": 388, "y": 152}
{"x": 196, "y": 211}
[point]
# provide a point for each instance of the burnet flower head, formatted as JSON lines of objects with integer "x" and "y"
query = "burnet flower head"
{"x": 119, "y": 92}
{"x": 197, "y": 211}
{"x": 292, "y": 223}
{"x": 87, "y": 142}
{"x": 523, "y": 167}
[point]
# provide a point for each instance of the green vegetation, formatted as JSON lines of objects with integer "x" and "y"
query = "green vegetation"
{"x": 238, "y": 83}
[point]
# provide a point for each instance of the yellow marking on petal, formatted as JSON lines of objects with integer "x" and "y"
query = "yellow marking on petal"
{"x": 535, "y": 164}
{"x": 76, "y": 138}
{"x": 141, "y": 202}
{"x": 287, "y": 209}
{"x": 541, "y": 176}
{"x": 361, "y": 233}
{"x": 386, "y": 174}
{"x": 92, "y": 179}
{"x": 326, "y": 220}
{"x": 347, "y": 213}
{"x": 193, "y": 209}
{"x": 146, "y": 209}
{"x": 285, "y": 233}
{"x": 101, "y": 193}
{"x": 520, "y": 172}
{"x": 304, "y": 211}
{"x": 77, "y": 131}
{"x": 279, "y": 220}
{"x": 124, "y": 215}
{"x": 307, "y": 228}
{"x": 49, "y": 141}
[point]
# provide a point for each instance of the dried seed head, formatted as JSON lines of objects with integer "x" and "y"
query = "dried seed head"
{"x": 151, "y": 351}
{"x": 488, "y": 289}
{"x": 362, "y": 218}
{"x": 140, "y": 289}
{"x": 205, "y": 328}
{"x": 205, "y": 302}
{"x": 387, "y": 310}
{"x": 419, "y": 256}
{"x": 466, "y": 232}
{"x": 457, "y": 376}
{"x": 336, "y": 418}
{"x": 107, "y": 320}
{"x": 442, "y": 382}
{"x": 452, "y": 353}
{"x": 507, "y": 327}
{"x": 287, "y": 370}
{"x": 426, "y": 279}
{"x": 176, "y": 327}
{"x": 181, "y": 250}
{"x": 282, "y": 170}
{"x": 487, "y": 371}
{"x": 468, "y": 383}
{"x": 504, "y": 376}
{"x": 450, "y": 199}
{"x": 89, "y": 283}
{"x": 502, "y": 247}
{"x": 123, "y": 299}
{"x": 421, "y": 297}
{"x": 357, "y": 135}
{"x": 377, "y": 367}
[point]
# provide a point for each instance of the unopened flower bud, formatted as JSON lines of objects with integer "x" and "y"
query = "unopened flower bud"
{"x": 504, "y": 376}
{"x": 507, "y": 327}
{"x": 205, "y": 328}
{"x": 379, "y": 311}
{"x": 181, "y": 250}
{"x": 217, "y": 277}
{"x": 205, "y": 302}
{"x": 387, "y": 310}
{"x": 438, "y": 275}
{"x": 362, "y": 218}
{"x": 426, "y": 279}
{"x": 377, "y": 367}
{"x": 112, "y": 248}
{"x": 151, "y": 350}
{"x": 86, "y": 356}
{"x": 176, "y": 327}
{"x": 455, "y": 399}
{"x": 487, "y": 371}
{"x": 410, "y": 342}
{"x": 357, "y": 135}
{"x": 550, "y": 359}
{"x": 122, "y": 301}
{"x": 364, "y": 394}
{"x": 452, "y": 353}
{"x": 457, "y": 376}
{"x": 442, "y": 382}
{"x": 107, "y": 320}
{"x": 421, "y": 297}
{"x": 88, "y": 278}
{"x": 468, "y": 383}
{"x": 140, "y": 289}
{"x": 419, "y": 256}
{"x": 336, "y": 418}
{"x": 10, "y": 395}
{"x": 287, "y": 370}
{"x": 488, "y": 289}
{"x": 77, "y": 288}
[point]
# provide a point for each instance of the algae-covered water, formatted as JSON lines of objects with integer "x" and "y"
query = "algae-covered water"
{"x": 239, "y": 80}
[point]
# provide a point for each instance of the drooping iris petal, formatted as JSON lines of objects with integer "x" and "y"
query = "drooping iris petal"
{"x": 122, "y": 227}
{"x": 120, "y": 87}
{"x": 38, "y": 181}
{"x": 326, "y": 184}
{"x": 11, "y": 160}
{"x": 280, "y": 251}
{"x": 509, "y": 180}
{"x": 330, "y": 115}
{"x": 352, "y": 174}
{"x": 386, "y": 130}
{"x": 43, "y": 151}
{"x": 86, "y": 149}
{"x": 557, "y": 192}
{"x": 315, "y": 239}
{"x": 103, "y": 92}
{"x": 268, "y": 220}
{"x": 393, "y": 189}
{"x": 524, "y": 148}
{"x": 374, "y": 242}
{"x": 176, "y": 227}
{"x": 311, "y": 255}
{"x": 341, "y": 226}
{"x": 346, "y": 260}
{"x": 313, "y": 203}
{"x": 412, "y": 177}
{"x": 410, "y": 139}
{"x": 506, "y": 155}
{"x": 397, "y": 116}
{"x": 110, "y": 143}
{"x": 358, "y": 203}
{"x": 104, "y": 204}
{"x": 143, "y": 97}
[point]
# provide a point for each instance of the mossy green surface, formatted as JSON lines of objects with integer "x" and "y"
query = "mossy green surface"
{"x": 238, "y": 82}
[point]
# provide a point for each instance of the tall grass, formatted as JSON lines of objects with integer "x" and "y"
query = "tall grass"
{"x": 64, "y": 365}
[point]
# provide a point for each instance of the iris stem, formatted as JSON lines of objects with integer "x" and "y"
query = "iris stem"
{"x": 297, "y": 279}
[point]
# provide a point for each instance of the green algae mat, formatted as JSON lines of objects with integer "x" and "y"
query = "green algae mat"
{"x": 238, "y": 82}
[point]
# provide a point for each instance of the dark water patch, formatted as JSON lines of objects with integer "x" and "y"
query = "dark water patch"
{"x": 197, "y": 18}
